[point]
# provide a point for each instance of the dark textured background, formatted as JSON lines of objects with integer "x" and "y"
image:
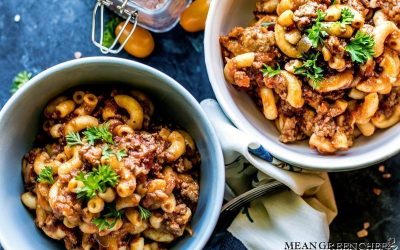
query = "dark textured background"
{"x": 51, "y": 31}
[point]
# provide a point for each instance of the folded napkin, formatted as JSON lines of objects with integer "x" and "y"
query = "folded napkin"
{"x": 301, "y": 214}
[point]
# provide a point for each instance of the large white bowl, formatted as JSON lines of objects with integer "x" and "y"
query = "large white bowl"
{"x": 19, "y": 123}
{"x": 222, "y": 17}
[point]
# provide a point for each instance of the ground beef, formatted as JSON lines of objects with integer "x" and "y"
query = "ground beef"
{"x": 71, "y": 240}
{"x": 278, "y": 84}
{"x": 388, "y": 102}
{"x": 91, "y": 154}
{"x": 175, "y": 222}
{"x": 188, "y": 187}
{"x": 368, "y": 69}
{"x": 288, "y": 110}
{"x": 306, "y": 14}
{"x": 361, "y": 6}
{"x": 251, "y": 39}
{"x": 145, "y": 150}
{"x": 66, "y": 204}
{"x": 334, "y": 95}
{"x": 336, "y": 46}
{"x": 307, "y": 123}
{"x": 311, "y": 97}
{"x": 324, "y": 126}
{"x": 241, "y": 79}
{"x": 391, "y": 8}
{"x": 291, "y": 130}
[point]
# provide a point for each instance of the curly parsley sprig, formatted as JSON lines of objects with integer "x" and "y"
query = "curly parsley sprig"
{"x": 361, "y": 47}
{"x": 101, "y": 133}
{"x": 46, "y": 175}
{"x": 73, "y": 139}
{"x": 311, "y": 70}
{"x": 268, "y": 71}
{"x": 109, "y": 34}
{"x": 20, "y": 79}
{"x": 96, "y": 181}
{"x": 347, "y": 16}
{"x": 316, "y": 34}
{"x": 108, "y": 220}
{"x": 107, "y": 152}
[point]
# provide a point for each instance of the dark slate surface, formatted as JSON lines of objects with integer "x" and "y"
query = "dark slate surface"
{"x": 51, "y": 31}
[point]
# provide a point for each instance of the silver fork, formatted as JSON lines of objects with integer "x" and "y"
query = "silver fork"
{"x": 229, "y": 210}
{"x": 257, "y": 192}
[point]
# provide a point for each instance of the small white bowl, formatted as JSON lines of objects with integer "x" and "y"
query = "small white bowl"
{"x": 222, "y": 17}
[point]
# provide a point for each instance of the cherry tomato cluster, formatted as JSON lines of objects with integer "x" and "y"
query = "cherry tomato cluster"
{"x": 141, "y": 43}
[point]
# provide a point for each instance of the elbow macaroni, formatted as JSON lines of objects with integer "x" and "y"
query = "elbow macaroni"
{"x": 142, "y": 157}
{"x": 340, "y": 93}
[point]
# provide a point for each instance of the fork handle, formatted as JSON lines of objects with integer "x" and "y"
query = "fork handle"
{"x": 229, "y": 212}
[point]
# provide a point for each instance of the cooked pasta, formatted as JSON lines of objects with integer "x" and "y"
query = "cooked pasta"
{"x": 326, "y": 71}
{"x": 104, "y": 174}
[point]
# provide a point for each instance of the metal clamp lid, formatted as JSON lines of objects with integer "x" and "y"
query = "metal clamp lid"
{"x": 130, "y": 14}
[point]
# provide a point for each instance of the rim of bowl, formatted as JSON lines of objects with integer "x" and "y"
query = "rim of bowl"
{"x": 316, "y": 162}
{"x": 213, "y": 140}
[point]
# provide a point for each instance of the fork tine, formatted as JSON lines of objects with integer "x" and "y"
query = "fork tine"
{"x": 252, "y": 195}
{"x": 246, "y": 199}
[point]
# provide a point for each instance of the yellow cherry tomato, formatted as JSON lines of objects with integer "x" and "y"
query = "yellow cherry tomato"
{"x": 140, "y": 44}
{"x": 193, "y": 19}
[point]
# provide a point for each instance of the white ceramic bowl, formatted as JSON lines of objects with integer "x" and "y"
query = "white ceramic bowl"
{"x": 19, "y": 122}
{"x": 222, "y": 17}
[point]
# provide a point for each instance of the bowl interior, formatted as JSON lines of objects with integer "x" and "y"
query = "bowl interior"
{"x": 19, "y": 121}
{"x": 223, "y": 16}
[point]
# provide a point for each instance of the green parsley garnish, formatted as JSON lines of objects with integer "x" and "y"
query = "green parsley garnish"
{"x": 73, "y": 139}
{"x": 361, "y": 47}
{"x": 96, "y": 181}
{"x": 347, "y": 16}
{"x": 101, "y": 133}
{"x": 311, "y": 70}
{"x": 267, "y": 24}
{"x": 20, "y": 79}
{"x": 108, "y": 220}
{"x": 144, "y": 213}
{"x": 121, "y": 154}
{"x": 269, "y": 71}
{"x": 333, "y": 2}
{"x": 316, "y": 34}
{"x": 107, "y": 152}
{"x": 46, "y": 175}
{"x": 109, "y": 31}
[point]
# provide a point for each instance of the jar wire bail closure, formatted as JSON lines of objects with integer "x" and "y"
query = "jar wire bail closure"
{"x": 123, "y": 10}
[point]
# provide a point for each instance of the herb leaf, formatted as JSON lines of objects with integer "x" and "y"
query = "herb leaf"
{"x": 109, "y": 31}
{"x": 316, "y": 34}
{"x": 101, "y": 133}
{"x": 108, "y": 220}
{"x": 361, "y": 47}
{"x": 96, "y": 181}
{"x": 120, "y": 154}
{"x": 73, "y": 139}
{"x": 269, "y": 71}
{"x": 347, "y": 16}
{"x": 311, "y": 70}
{"x": 144, "y": 213}
{"x": 46, "y": 175}
{"x": 107, "y": 152}
{"x": 20, "y": 79}
{"x": 102, "y": 223}
{"x": 267, "y": 24}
